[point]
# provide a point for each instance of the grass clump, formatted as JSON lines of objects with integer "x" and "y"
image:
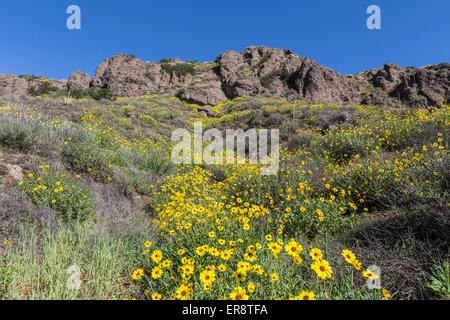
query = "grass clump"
{"x": 154, "y": 163}
{"x": 49, "y": 266}
{"x": 26, "y": 131}
{"x": 17, "y": 136}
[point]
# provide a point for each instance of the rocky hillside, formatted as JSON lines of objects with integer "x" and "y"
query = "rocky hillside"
{"x": 257, "y": 71}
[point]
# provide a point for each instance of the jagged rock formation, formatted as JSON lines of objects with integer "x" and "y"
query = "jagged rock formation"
{"x": 421, "y": 87}
{"x": 257, "y": 71}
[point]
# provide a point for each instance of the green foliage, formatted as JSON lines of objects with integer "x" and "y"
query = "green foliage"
{"x": 439, "y": 280}
{"x": 88, "y": 156}
{"x": 152, "y": 162}
{"x": 43, "y": 88}
{"x": 18, "y": 136}
{"x": 53, "y": 188}
{"x": 149, "y": 76}
{"x": 311, "y": 120}
{"x": 105, "y": 259}
{"x": 180, "y": 69}
{"x": 92, "y": 93}
{"x": 29, "y": 77}
{"x": 340, "y": 151}
{"x": 129, "y": 57}
{"x": 268, "y": 110}
{"x": 148, "y": 120}
{"x": 265, "y": 58}
{"x": 282, "y": 74}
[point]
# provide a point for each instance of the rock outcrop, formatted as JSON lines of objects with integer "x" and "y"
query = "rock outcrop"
{"x": 11, "y": 85}
{"x": 256, "y": 71}
{"x": 79, "y": 80}
{"x": 124, "y": 75}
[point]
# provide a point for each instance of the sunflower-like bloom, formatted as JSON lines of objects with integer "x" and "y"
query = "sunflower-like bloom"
{"x": 238, "y": 294}
{"x": 322, "y": 269}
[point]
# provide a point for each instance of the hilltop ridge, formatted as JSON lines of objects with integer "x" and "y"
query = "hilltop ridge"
{"x": 256, "y": 71}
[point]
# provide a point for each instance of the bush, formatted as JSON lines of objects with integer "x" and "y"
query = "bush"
{"x": 129, "y": 57}
{"x": 53, "y": 188}
{"x": 17, "y": 136}
{"x": 298, "y": 141}
{"x": 283, "y": 75}
{"x": 258, "y": 264}
{"x": 93, "y": 93}
{"x": 29, "y": 77}
{"x": 268, "y": 110}
{"x": 90, "y": 93}
{"x": 439, "y": 281}
{"x": 265, "y": 58}
{"x": 89, "y": 157}
{"x": 43, "y": 88}
{"x": 148, "y": 120}
{"x": 154, "y": 163}
{"x": 180, "y": 69}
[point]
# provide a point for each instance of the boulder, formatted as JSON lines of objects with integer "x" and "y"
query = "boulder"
{"x": 79, "y": 80}
{"x": 11, "y": 85}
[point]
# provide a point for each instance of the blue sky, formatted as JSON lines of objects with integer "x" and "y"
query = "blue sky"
{"x": 34, "y": 37}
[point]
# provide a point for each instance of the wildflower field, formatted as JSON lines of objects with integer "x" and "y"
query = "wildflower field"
{"x": 359, "y": 208}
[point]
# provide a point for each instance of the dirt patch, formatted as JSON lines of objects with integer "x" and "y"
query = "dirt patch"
{"x": 405, "y": 246}
{"x": 12, "y": 166}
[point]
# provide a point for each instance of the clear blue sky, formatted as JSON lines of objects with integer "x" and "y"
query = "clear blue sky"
{"x": 34, "y": 37}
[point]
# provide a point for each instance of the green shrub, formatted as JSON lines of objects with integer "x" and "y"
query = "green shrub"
{"x": 342, "y": 151}
{"x": 90, "y": 93}
{"x": 148, "y": 120}
{"x": 306, "y": 222}
{"x": 268, "y": 110}
{"x": 379, "y": 184}
{"x": 180, "y": 69}
{"x": 17, "y": 136}
{"x": 53, "y": 188}
{"x": 29, "y": 77}
{"x": 265, "y": 58}
{"x": 155, "y": 163}
{"x": 439, "y": 281}
{"x": 89, "y": 157}
{"x": 43, "y": 88}
{"x": 283, "y": 75}
{"x": 129, "y": 57}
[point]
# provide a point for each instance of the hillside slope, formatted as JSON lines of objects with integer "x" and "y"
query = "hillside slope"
{"x": 90, "y": 183}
